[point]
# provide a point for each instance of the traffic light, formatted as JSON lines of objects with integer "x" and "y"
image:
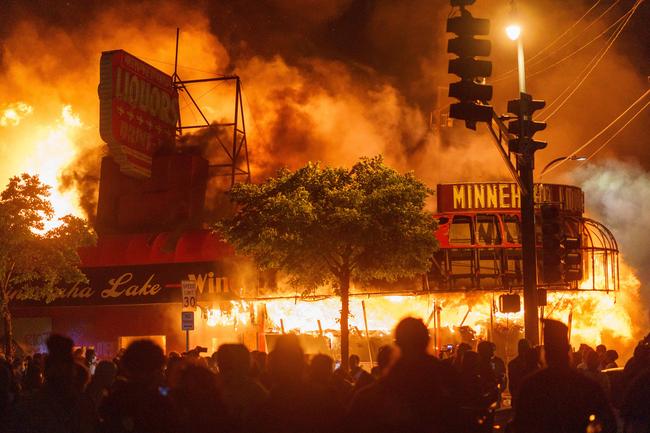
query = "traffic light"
{"x": 572, "y": 258}
{"x": 551, "y": 243}
{"x": 470, "y": 91}
{"x": 524, "y": 127}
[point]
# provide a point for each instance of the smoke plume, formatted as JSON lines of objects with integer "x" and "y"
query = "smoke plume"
{"x": 617, "y": 194}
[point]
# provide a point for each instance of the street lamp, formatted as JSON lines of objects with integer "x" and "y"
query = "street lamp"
{"x": 561, "y": 158}
{"x": 525, "y": 164}
{"x": 514, "y": 33}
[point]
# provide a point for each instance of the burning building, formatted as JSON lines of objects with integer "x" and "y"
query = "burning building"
{"x": 150, "y": 217}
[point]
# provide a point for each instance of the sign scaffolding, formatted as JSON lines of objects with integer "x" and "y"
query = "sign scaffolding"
{"x": 236, "y": 164}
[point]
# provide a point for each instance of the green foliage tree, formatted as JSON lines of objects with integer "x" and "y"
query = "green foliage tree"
{"x": 35, "y": 262}
{"x": 322, "y": 225}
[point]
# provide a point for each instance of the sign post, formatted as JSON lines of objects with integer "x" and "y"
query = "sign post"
{"x": 188, "y": 292}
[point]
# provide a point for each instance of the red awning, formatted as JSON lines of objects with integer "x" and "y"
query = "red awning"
{"x": 153, "y": 248}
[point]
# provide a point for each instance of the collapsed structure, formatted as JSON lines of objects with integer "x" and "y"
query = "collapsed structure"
{"x": 150, "y": 222}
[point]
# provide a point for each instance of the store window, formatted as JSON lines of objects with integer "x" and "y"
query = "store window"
{"x": 460, "y": 231}
{"x": 487, "y": 230}
{"x": 511, "y": 228}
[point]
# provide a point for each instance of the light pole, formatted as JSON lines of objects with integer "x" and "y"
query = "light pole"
{"x": 561, "y": 158}
{"x": 525, "y": 166}
{"x": 514, "y": 33}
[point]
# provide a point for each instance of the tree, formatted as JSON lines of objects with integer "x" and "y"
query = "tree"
{"x": 34, "y": 262}
{"x": 323, "y": 225}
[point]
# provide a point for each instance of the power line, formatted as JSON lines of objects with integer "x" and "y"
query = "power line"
{"x": 589, "y": 66}
{"x": 568, "y": 56}
{"x": 535, "y": 59}
{"x": 539, "y": 53}
{"x": 602, "y": 131}
{"x": 617, "y": 132}
{"x": 567, "y": 43}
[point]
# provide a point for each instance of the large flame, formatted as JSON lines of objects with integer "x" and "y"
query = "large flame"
{"x": 594, "y": 317}
{"x": 49, "y": 149}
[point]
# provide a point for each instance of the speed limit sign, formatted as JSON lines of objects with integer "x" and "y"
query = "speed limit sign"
{"x": 188, "y": 290}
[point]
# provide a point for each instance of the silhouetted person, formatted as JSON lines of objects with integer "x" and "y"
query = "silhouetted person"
{"x": 593, "y": 372}
{"x": 139, "y": 404}
{"x": 294, "y": 406}
{"x": 91, "y": 360}
{"x": 360, "y": 376}
{"x": 610, "y": 359}
{"x": 517, "y": 368}
{"x": 385, "y": 358}
{"x": 492, "y": 374}
{"x": 417, "y": 394}
{"x": 457, "y": 360}
{"x": 601, "y": 350}
{"x": 334, "y": 389}
{"x": 197, "y": 402}
{"x": 638, "y": 363}
{"x": 636, "y": 405}
{"x": 101, "y": 382}
{"x": 5, "y": 388}
{"x": 54, "y": 407}
{"x": 476, "y": 394}
{"x": 583, "y": 350}
{"x": 559, "y": 398}
{"x": 33, "y": 378}
{"x": 259, "y": 368}
{"x": 242, "y": 395}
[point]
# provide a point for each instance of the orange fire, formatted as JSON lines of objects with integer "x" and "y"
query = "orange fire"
{"x": 595, "y": 317}
{"x": 51, "y": 148}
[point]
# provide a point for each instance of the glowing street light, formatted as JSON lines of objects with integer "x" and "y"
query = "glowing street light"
{"x": 513, "y": 31}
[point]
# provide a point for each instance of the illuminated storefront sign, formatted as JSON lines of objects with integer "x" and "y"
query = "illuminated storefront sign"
{"x": 505, "y": 196}
{"x": 117, "y": 285}
{"x": 138, "y": 111}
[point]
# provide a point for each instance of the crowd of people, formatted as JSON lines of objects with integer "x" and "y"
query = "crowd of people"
{"x": 409, "y": 390}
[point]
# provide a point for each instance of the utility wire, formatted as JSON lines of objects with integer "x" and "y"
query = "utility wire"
{"x": 539, "y": 53}
{"x": 602, "y": 131}
{"x": 567, "y": 43}
{"x": 568, "y": 56}
{"x": 590, "y": 67}
{"x": 535, "y": 59}
{"x": 616, "y": 133}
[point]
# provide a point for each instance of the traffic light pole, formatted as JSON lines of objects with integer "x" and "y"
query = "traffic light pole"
{"x": 525, "y": 165}
{"x": 472, "y": 107}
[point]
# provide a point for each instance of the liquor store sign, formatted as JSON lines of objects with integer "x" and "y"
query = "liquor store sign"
{"x": 150, "y": 284}
{"x": 139, "y": 111}
{"x": 483, "y": 196}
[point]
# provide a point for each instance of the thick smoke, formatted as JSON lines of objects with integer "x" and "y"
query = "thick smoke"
{"x": 327, "y": 81}
{"x": 618, "y": 194}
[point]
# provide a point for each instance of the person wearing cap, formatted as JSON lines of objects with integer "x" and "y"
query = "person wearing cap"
{"x": 558, "y": 398}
